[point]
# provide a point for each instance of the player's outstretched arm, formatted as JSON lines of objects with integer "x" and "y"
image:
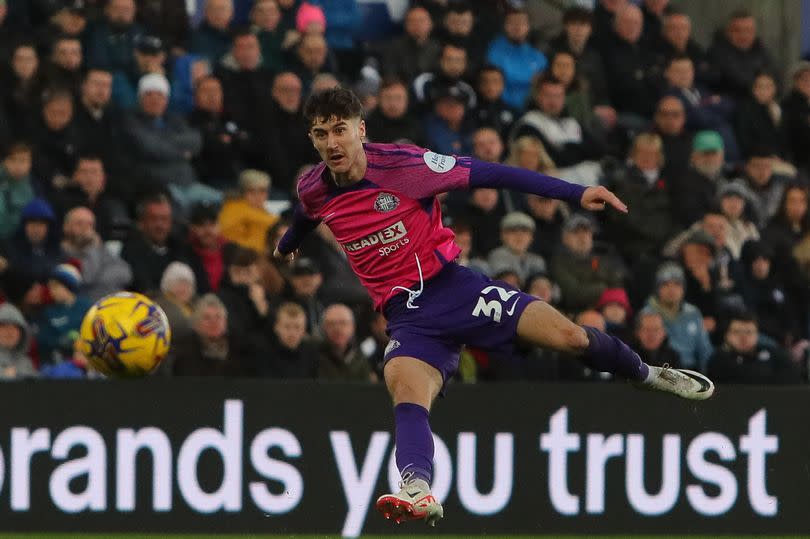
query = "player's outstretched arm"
{"x": 497, "y": 176}
{"x": 301, "y": 225}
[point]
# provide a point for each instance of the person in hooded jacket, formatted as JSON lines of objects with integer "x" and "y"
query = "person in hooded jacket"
{"x": 34, "y": 247}
{"x": 15, "y": 337}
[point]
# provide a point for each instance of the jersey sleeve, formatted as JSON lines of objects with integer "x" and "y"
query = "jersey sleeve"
{"x": 497, "y": 176}
{"x": 302, "y": 225}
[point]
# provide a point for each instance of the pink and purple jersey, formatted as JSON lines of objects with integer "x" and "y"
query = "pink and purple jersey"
{"x": 390, "y": 223}
{"x": 391, "y": 218}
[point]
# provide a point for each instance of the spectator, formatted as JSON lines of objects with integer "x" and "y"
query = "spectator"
{"x": 760, "y": 119}
{"x": 224, "y": 140}
{"x": 209, "y": 250}
{"x": 69, "y": 19}
{"x": 614, "y": 305}
{"x": 676, "y": 40}
{"x": 149, "y": 57}
{"x": 766, "y": 295}
{"x": 16, "y": 190}
{"x": 582, "y": 274}
{"x": 15, "y": 337}
{"x": 517, "y": 234}
{"x": 576, "y": 40}
{"x": 549, "y": 214}
{"x": 653, "y": 11}
{"x": 297, "y": 149}
{"x": 529, "y": 153}
{"x": 312, "y": 57}
{"x": 99, "y": 127}
{"x": 743, "y": 359}
{"x": 246, "y": 85}
{"x": 604, "y": 17}
{"x": 58, "y": 327}
{"x": 737, "y": 55}
{"x": 703, "y": 111}
{"x": 244, "y": 220}
{"x": 415, "y": 51}
{"x": 790, "y": 227}
{"x": 56, "y": 142}
{"x": 65, "y": 68}
{"x": 651, "y": 341}
{"x": 629, "y": 68}
{"x": 464, "y": 239}
{"x": 265, "y": 18}
{"x": 447, "y": 128}
{"x": 21, "y": 89}
{"x": 734, "y": 197}
{"x": 178, "y": 291}
{"x": 458, "y": 23}
{"x": 683, "y": 322}
{"x": 694, "y": 192}
{"x": 102, "y": 272}
{"x": 640, "y": 185}
{"x": 151, "y": 247}
{"x": 164, "y": 145}
{"x": 292, "y": 353}
{"x": 34, "y": 247}
{"x": 767, "y": 186}
{"x": 88, "y": 188}
{"x": 428, "y": 86}
{"x": 669, "y": 123}
{"x": 340, "y": 355}
{"x": 186, "y": 73}
{"x": 577, "y": 98}
{"x": 390, "y": 121}
{"x": 517, "y": 59}
{"x": 491, "y": 110}
{"x": 570, "y": 144}
{"x": 212, "y": 38}
{"x": 110, "y": 43}
{"x": 169, "y": 20}
{"x": 796, "y": 107}
{"x": 343, "y": 19}
{"x": 243, "y": 296}
{"x": 304, "y": 282}
{"x": 213, "y": 348}
{"x": 488, "y": 146}
{"x": 702, "y": 277}
{"x": 485, "y": 208}
{"x": 542, "y": 287}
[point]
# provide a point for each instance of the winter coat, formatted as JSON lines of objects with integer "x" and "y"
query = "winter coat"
{"x": 111, "y": 49}
{"x": 756, "y": 128}
{"x": 735, "y": 68}
{"x": 148, "y": 262}
{"x": 58, "y": 327}
{"x": 14, "y": 195}
{"x": 210, "y": 42}
{"x": 162, "y": 148}
{"x": 102, "y": 272}
{"x": 519, "y": 63}
{"x": 763, "y": 365}
{"x": 354, "y": 366}
{"x": 16, "y": 357}
{"x": 404, "y": 58}
{"x": 630, "y": 76}
{"x": 382, "y": 129}
{"x": 284, "y": 363}
{"x": 686, "y": 334}
{"x": 582, "y": 279}
{"x": 245, "y": 225}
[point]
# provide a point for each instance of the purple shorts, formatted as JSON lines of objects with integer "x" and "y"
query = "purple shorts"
{"x": 458, "y": 306}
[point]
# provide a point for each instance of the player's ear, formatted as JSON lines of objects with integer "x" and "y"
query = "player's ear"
{"x": 361, "y": 128}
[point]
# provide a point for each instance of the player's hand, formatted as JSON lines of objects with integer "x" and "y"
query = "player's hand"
{"x": 598, "y": 198}
{"x": 278, "y": 255}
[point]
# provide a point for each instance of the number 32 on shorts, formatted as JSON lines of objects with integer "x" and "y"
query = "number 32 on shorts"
{"x": 493, "y": 308}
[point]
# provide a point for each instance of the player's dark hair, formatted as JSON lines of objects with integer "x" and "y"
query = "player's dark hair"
{"x": 577, "y": 15}
{"x": 336, "y": 102}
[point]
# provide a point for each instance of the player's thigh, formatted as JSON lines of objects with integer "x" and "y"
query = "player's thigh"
{"x": 541, "y": 324}
{"x": 412, "y": 380}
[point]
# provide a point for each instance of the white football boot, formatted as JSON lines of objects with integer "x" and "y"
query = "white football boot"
{"x": 681, "y": 382}
{"x": 414, "y": 501}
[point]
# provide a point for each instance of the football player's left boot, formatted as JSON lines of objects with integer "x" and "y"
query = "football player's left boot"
{"x": 681, "y": 382}
{"x": 414, "y": 501}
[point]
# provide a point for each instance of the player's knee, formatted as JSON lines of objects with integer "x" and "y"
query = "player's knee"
{"x": 576, "y": 338}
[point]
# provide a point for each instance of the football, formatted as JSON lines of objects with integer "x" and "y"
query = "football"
{"x": 124, "y": 335}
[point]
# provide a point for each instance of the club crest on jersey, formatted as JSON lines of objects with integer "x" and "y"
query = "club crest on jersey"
{"x": 386, "y": 202}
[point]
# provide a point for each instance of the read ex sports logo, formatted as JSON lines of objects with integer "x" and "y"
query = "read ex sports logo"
{"x": 392, "y": 238}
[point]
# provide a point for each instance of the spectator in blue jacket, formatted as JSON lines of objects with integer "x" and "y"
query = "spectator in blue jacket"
{"x": 110, "y": 43}
{"x": 212, "y": 39}
{"x": 59, "y": 324}
{"x": 518, "y": 60}
{"x": 683, "y": 321}
{"x": 445, "y": 127}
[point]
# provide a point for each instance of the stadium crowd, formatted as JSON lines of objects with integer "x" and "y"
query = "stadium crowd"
{"x": 154, "y": 145}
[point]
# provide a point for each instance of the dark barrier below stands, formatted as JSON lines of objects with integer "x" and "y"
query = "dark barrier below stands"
{"x": 262, "y": 457}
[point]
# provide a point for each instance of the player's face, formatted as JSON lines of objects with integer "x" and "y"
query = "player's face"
{"x": 339, "y": 142}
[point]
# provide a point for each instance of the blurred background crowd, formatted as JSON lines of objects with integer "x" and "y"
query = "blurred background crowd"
{"x": 154, "y": 145}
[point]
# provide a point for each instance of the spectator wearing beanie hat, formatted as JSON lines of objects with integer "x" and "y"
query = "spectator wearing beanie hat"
{"x": 517, "y": 234}
{"x": 615, "y": 307}
{"x": 34, "y": 247}
{"x": 59, "y": 323}
{"x": 310, "y": 19}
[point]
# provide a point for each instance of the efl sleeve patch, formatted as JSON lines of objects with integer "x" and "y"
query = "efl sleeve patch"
{"x": 439, "y": 163}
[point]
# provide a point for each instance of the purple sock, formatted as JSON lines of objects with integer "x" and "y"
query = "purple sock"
{"x": 414, "y": 441}
{"x": 609, "y": 354}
